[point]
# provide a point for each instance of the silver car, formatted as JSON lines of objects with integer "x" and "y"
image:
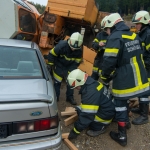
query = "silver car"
{"x": 28, "y": 108}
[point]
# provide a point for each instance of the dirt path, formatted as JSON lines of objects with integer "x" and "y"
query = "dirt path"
{"x": 138, "y": 136}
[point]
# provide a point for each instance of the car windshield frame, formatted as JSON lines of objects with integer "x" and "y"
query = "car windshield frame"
{"x": 20, "y": 63}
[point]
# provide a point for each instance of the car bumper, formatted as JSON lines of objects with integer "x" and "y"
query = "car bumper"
{"x": 42, "y": 143}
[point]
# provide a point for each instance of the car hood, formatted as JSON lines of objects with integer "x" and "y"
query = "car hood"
{"x": 27, "y": 89}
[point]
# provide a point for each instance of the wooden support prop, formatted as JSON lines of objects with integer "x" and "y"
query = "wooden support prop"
{"x": 70, "y": 145}
{"x": 65, "y": 135}
{"x": 68, "y": 111}
{"x": 71, "y": 119}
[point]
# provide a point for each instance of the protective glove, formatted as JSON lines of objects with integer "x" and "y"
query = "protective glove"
{"x": 72, "y": 135}
{"x": 77, "y": 110}
{"x": 45, "y": 56}
{"x": 49, "y": 67}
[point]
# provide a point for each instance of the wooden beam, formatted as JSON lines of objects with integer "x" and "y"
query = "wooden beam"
{"x": 65, "y": 135}
{"x": 71, "y": 119}
{"x": 70, "y": 109}
{"x": 70, "y": 145}
{"x": 68, "y": 113}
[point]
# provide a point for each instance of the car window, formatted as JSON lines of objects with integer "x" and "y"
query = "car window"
{"x": 19, "y": 63}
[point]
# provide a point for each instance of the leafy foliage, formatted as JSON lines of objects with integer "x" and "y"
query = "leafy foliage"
{"x": 123, "y": 6}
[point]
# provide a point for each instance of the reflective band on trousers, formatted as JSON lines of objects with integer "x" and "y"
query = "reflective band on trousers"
{"x": 120, "y": 108}
{"x": 144, "y": 99}
{"x": 98, "y": 119}
{"x": 89, "y": 108}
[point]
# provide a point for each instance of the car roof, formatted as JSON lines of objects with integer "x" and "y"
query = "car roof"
{"x": 17, "y": 43}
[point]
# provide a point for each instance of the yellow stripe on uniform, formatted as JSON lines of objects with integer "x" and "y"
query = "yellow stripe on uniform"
{"x": 111, "y": 52}
{"x": 78, "y": 60}
{"x": 95, "y": 69}
{"x": 131, "y": 37}
{"x": 57, "y": 77}
{"x": 131, "y": 91}
{"x": 50, "y": 63}
{"x": 95, "y": 40}
{"x": 142, "y": 60}
{"x": 89, "y": 108}
{"x": 147, "y": 47}
{"x": 76, "y": 131}
{"x": 99, "y": 87}
{"x": 143, "y": 44}
{"x": 53, "y": 52}
{"x": 138, "y": 74}
{"x": 98, "y": 119}
{"x": 103, "y": 41}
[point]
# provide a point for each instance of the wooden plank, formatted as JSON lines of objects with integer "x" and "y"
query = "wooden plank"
{"x": 70, "y": 109}
{"x": 70, "y": 145}
{"x": 65, "y": 135}
{"x": 68, "y": 113}
{"x": 71, "y": 119}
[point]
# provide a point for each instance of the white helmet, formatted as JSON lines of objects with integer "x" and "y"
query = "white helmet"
{"x": 103, "y": 22}
{"x": 76, "y": 40}
{"x": 77, "y": 78}
{"x": 141, "y": 17}
{"x": 112, "y": 19}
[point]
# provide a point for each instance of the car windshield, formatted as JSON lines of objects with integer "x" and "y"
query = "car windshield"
{"x": 19, "y": 63}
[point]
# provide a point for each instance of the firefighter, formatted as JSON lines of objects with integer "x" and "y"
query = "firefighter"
{"x": 142, "y": 20}
{"x": 124, "y": 54}
{"x": 99, "y": 45}
{"x": 64, "y": 58}
{"x": 96, "y": 110}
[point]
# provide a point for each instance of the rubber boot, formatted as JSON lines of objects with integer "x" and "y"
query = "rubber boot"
{"x": 121, "y": 136}
{"x": 136, "y": 110}
{"x": 71, "y": 100}
{"x": 96, "y": 133}
{"x": 143, "y": 118}
{"x": 128, "y": 125}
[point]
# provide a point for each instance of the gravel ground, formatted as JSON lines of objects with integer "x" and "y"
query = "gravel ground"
{"x": 138, "y": 136}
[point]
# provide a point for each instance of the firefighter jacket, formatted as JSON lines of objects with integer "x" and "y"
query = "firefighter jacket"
{"x": 64, "y": 59}
{"x": 124, "y": 53}
{"x": 96, "y": 105}
{"x": 145, "y": 36}
{"x": 101, "y": 37}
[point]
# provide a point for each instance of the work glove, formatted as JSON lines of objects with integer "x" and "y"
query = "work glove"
{"x": 45, "y": 56}
{"x": 78, "y": 110}
{"x": 72, "y": 135}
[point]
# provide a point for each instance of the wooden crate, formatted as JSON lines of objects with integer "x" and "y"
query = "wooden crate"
{"x": 79, "y": 9}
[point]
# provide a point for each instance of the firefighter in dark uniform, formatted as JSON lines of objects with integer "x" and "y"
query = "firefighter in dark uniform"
{"x": 96, "y": 110}
{"x": 99, "y": 45}
{"x": 142, "y": 20}
{"x": 64, "y": 58}
{"x": 124, "y": 54}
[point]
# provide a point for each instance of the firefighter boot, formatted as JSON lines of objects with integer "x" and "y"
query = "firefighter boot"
{"x": 121, "y": 136}
{"x": 143, "y": 118}
{"x": 71, "y": 100}
{"x": 136, "y": 110}
{"x": 96, "y": 133}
